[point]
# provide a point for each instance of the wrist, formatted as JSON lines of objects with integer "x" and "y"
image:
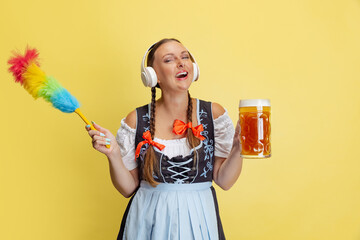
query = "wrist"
{"x": 114, "y": 153}
{"x": 236, "y": 147}
{"x": 236, "y": 151}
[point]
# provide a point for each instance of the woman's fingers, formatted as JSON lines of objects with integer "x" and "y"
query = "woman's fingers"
{"x": 236, "y": 141}
{"x": 237, "y": 129}
{"x": 103, "y": 131}
{"x": 99, "y": 128}
{"x": 100, "y": 137}
{"x": 101, "y": 141}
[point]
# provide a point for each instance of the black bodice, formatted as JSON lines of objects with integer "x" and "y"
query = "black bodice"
{"x": 181, "y": 169}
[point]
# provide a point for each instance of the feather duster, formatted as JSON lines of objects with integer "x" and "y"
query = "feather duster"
{"x": 26, "y": 71}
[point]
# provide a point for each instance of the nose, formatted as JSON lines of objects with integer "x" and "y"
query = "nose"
{"x": 181, "y": 64}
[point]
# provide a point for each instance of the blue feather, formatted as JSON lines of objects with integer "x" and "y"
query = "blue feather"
{"x": 64, "y": 101}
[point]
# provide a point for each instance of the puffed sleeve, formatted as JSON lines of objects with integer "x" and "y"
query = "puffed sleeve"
{"x": 126, "y": 139}
{"x": 224, "y": 134}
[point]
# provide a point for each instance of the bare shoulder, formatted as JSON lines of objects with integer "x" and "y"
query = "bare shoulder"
{"x": 217, "y": 110}
{"x": 130, "y": 119}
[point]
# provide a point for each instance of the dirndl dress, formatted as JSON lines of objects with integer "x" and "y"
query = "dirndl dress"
{"x": 183, "y": 206}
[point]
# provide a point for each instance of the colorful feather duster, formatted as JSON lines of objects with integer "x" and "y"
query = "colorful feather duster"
{"x": 26, "y": 71}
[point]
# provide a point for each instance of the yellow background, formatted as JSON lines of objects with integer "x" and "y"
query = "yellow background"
{"x": 304, "y": 55}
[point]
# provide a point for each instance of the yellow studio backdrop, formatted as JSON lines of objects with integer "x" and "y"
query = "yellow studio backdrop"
{"x": 303, "y": 55}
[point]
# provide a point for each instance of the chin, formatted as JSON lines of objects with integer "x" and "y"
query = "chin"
{"x": 184, "y": 86}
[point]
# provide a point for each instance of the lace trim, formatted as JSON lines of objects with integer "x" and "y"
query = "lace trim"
{"x": 127, "y": 127}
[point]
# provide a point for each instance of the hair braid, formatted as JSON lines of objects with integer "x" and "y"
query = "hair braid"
{"x": 150, "y": 163}
{"x": 189, "y": 109}
{"x": 191, "y": 139}
{"x": 152, "y": 113}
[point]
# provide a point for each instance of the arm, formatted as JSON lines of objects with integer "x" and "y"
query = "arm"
{"x": 125, "y": 181}
{"x": 227, "y": 170}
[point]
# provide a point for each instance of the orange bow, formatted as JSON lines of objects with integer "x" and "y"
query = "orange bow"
{"x": 180, "y": 128}
{"x": 147, "y": 137}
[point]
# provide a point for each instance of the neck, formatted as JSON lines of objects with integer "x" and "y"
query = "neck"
{"x": 174, "y": 104}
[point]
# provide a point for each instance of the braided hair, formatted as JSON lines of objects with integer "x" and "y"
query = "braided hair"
{"x": 150, "y": 163}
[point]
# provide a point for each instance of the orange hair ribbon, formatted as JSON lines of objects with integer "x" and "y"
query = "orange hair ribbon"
{"x": 147, "y": 137}
{"x": 180, "y": 128}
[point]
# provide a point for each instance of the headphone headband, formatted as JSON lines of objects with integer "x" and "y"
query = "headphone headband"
{"x": 148, "y": 74}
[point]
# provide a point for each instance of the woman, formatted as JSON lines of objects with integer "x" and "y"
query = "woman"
{"x": 169, "y": 152}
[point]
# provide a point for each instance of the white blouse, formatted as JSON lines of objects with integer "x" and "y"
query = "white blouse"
{"x": 224, "y": 133}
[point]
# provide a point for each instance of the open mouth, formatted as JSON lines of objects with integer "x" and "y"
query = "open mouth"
{"x": 182, "y": 75}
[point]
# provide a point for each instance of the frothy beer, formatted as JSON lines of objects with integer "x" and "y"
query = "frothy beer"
{"x": 255, "y": 128}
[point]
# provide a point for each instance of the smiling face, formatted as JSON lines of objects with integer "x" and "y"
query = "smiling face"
{"x": 173, "y": 67}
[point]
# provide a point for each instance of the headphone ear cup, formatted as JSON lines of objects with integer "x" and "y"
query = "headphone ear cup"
{"x": 148, "y": 77}
{"x": 196, "y": 72}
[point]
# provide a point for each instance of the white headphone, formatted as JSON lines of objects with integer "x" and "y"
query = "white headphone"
{"x": 148, "y": 74}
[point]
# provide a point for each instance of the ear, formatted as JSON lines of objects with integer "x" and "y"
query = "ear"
{"x": 158, "y": 80}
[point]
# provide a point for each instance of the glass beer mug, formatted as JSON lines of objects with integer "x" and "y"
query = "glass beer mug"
{"x": 255, "y": 128}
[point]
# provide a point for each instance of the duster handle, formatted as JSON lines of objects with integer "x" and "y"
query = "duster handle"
{"x": 86, "y": 121}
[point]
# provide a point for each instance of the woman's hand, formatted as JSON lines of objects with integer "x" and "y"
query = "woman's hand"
{"x": 236, "y": 141}
{"x": 102, "y": 137}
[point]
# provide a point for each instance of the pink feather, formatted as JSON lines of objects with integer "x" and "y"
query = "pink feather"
{"x": 19, "y": 63}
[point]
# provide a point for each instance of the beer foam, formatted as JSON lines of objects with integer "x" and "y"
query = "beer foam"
{"x": 254, "y": 103}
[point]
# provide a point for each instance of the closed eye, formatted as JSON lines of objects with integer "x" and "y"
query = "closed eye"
{"x": 185, "y": 56}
